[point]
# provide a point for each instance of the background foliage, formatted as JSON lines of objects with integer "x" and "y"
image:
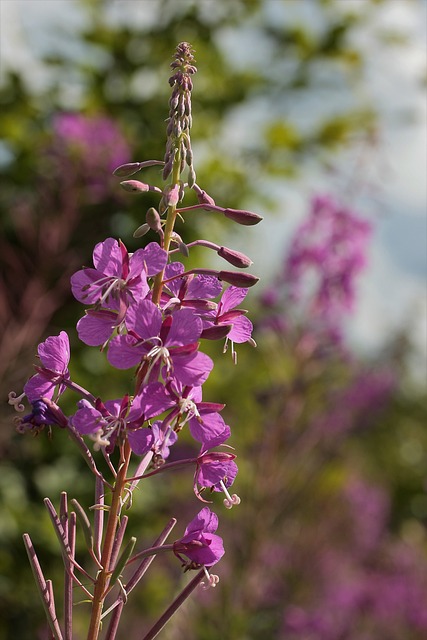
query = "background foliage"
{"x": 329, "y": 541}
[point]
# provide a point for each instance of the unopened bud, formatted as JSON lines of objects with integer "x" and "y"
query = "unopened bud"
{"x": 202, "y": 196}
{"x": 141, "y": 231}
{"x": 153, "y": 220}
{"x": 171, "y": 195}
{"x": 135, "y": 185}
{"x": 235, "y": 258}
{"x": 191, "y": 177}
{"x": 246, "y": 218}
{"x": 238, "y": 279}
{"x": 130, "y": 168}
{"x": 183, "y": 249}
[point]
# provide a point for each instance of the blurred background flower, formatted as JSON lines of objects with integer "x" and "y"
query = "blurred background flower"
{"x": 313, "y": 115}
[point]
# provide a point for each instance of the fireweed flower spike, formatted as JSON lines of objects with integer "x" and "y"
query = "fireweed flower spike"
{"x": 152, "y": 313}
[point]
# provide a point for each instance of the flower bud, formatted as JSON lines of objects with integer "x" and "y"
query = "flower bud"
{"x": 141, "y": 231}
{"x": 235, "y": 258}
{"x": 202, "y": 196}
{"x": 153, "y": 220}
{"x": 171, "y": 195}
{"x": 130, "y": 168}
{"x": 238, "y": 279}
{"x": 246, "y": 218}
{"x": 135, "y": 185}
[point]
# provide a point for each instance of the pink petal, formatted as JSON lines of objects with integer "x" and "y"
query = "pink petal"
{"x": 107, "y": 257}
{"x": 232, "y": 297}
{"x": 54, "y": 352}
{"x": 122, "y": 352}
{"x": 241, "y": 331}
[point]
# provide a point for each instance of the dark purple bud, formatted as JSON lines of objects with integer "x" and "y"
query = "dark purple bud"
{"x": 135, "y": 185}
{"x": 238, "y": 279}
{"x": 235, "y": 258}
{"x": 246, "y": 218}
{"x": 216, "y": 332}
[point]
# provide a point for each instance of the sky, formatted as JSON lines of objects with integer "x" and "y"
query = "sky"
{"x": 393, "y": 291}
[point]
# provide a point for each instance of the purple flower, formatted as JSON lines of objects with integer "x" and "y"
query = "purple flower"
{"x": 191, "y": 291}
{"x": 216, "y": 470}
{"x": 206, "y": 424}
{"x": 227, "y": 315}
{"x": 54, "y": 355}
{"x": 118, "y": 279}
{"x": 199, "y": 543}
{"x": 163, "y": 439}
{"x": 104, "y": 423}
{"x": 168, "y": 345}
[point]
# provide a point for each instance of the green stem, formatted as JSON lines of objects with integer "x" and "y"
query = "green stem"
{"x": 170, "y": 223}
{"x": 103, "y": 578}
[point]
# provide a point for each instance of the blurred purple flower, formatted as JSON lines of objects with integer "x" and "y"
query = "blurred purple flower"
{"x": 318, "y": 279}
{"x": 95, "y": 143}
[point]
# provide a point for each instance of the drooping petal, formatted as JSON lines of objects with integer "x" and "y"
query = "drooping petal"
{"x": 54, "y": 352}
{"x": 107, "y": 257}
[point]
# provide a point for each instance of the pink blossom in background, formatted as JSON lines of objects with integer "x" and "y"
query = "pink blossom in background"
{"x": 95, "y": 144}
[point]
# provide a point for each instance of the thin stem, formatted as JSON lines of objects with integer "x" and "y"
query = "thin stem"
{"x": 117, "y": 606}
{"x": 68, "y": 578}
{"x": 98, "y": 519}
{"x": 179, "y": 600}
{"x": 45, "y": 590}
{"x": 102, "y": 581}
{"x": 169, "y": 466}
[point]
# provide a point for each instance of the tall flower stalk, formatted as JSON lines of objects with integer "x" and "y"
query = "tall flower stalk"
{"x": 148, "y": 313}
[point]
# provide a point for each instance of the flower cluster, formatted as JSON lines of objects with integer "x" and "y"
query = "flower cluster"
{"x": 326, "y": 254}
{"x": 149, "y": 314}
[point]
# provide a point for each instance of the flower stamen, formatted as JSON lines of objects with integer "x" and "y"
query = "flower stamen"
{"x": 230, "y": 500}
{"x": 15, "y": 401}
